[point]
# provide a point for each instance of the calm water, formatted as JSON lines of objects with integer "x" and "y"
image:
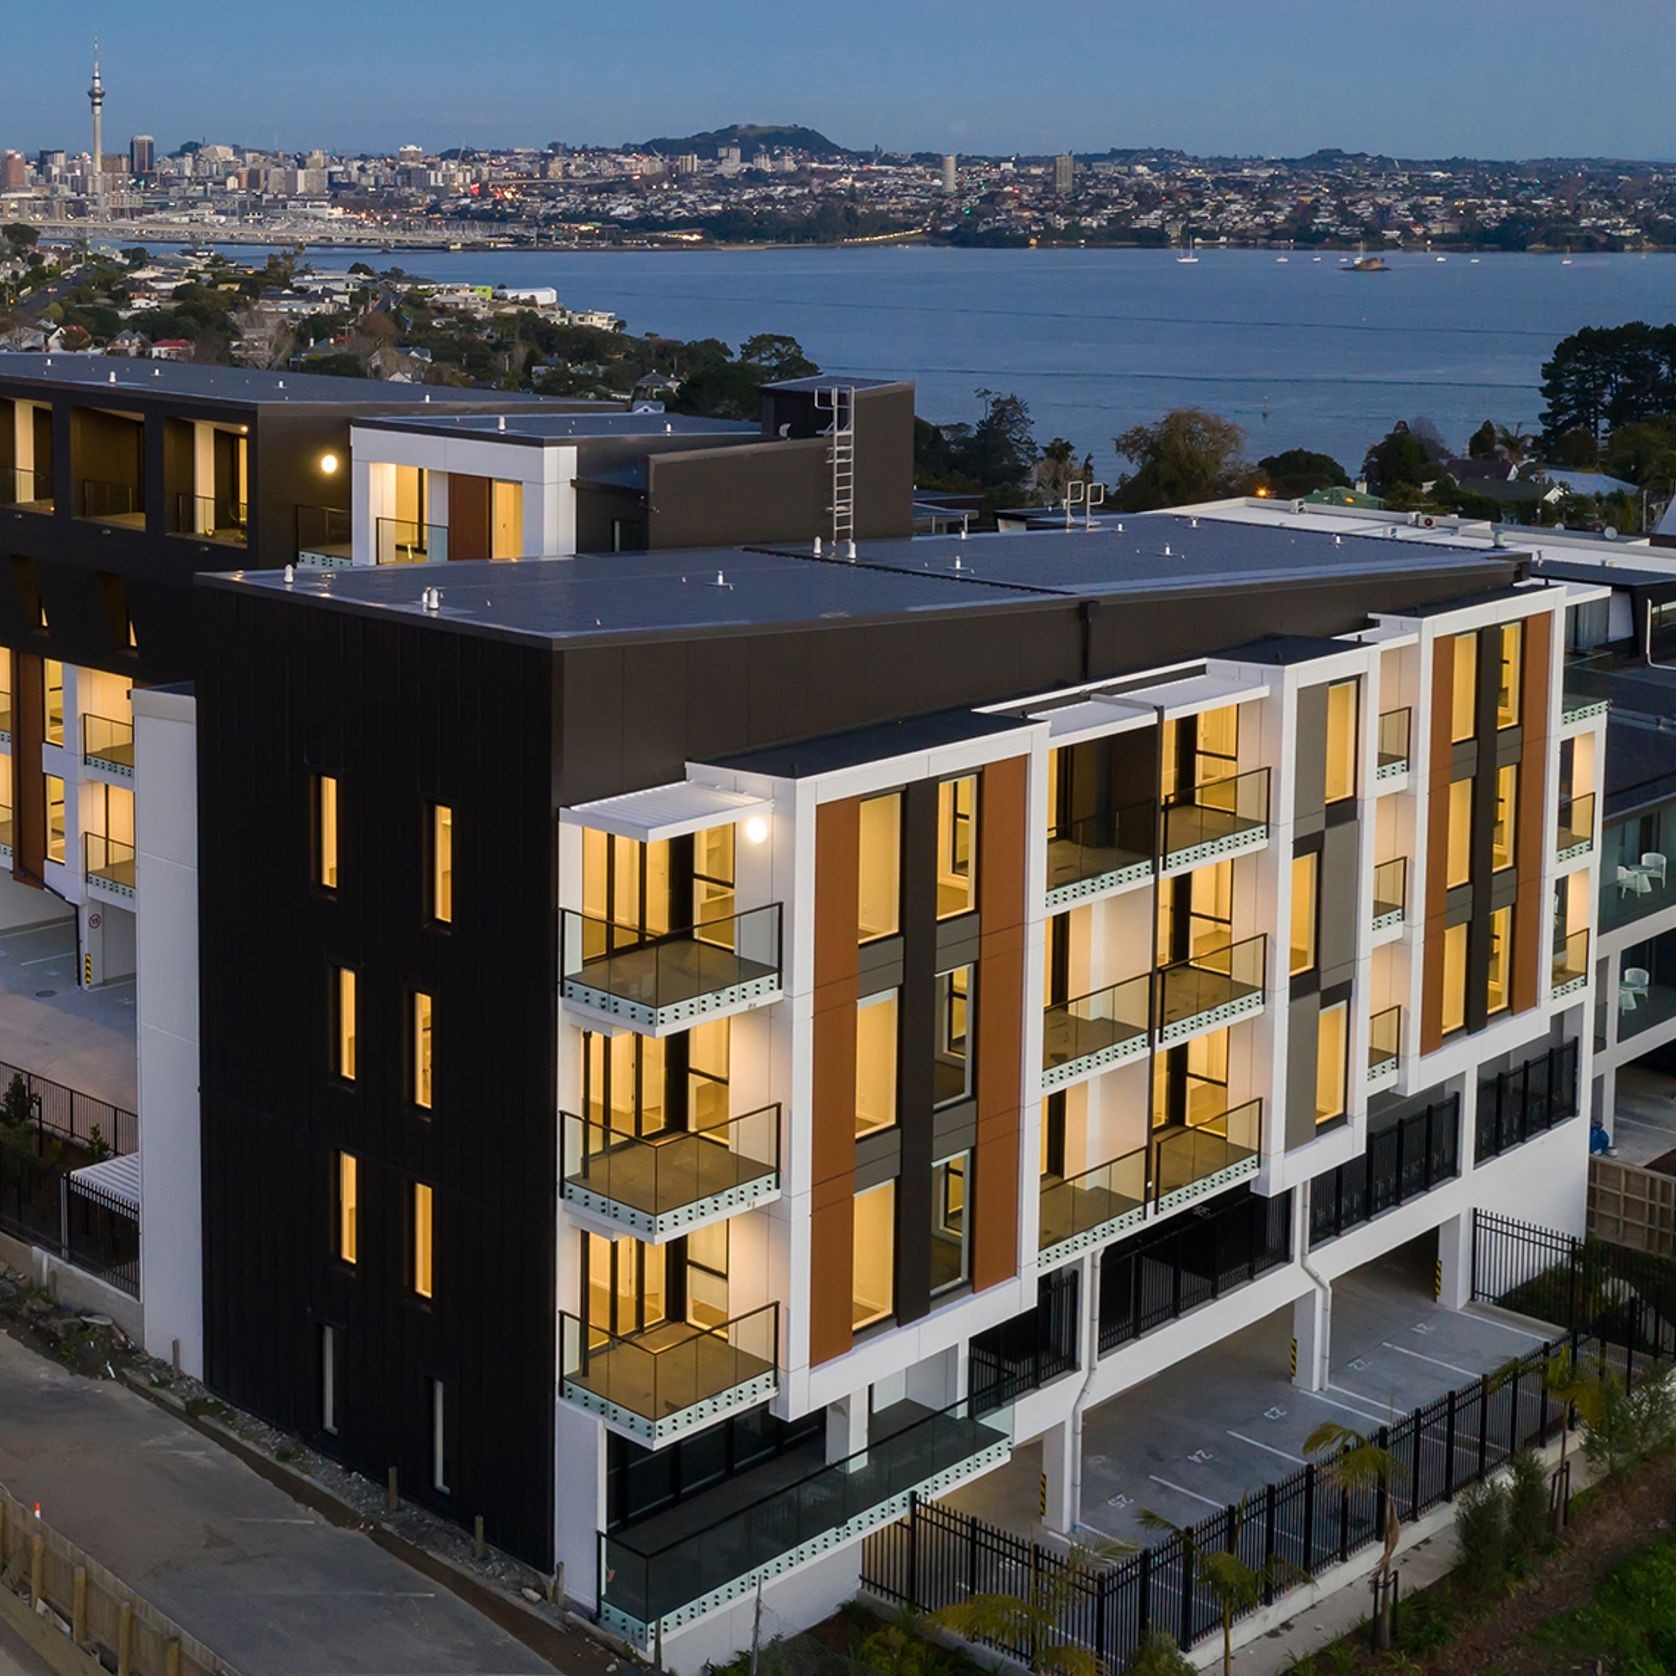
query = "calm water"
{"x": 1299, "y": 352}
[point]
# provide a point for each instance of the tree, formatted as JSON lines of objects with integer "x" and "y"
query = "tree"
{"x": 1353, "y": 1463}
{"x": 1575, "y": 450}
{"x": 1605, "y": 376}
{"x": 1644, "y": 452}
{"x": 20, "y": 236}
{"x": 1296, "y": 472}
{"x": 1430, "y": 438}
{"x": 16, "y": 1106}
{"x": 1396, "y": 461}
{"x": 1481, "y": 445}
{"x": 1056, "y": 470}
{"x": 1003, "y": 447}
{"x": 1188, "y": 455}
{"x": 776, "y": 356}
{"x": 1514, "y": 442}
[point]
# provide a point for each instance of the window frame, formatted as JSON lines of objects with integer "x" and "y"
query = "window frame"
{"x": 1349, "y": 752}
{"x": 422, "y": 1046}
{"x": 888, "y": 1312}
{"x": 948, "y": 1001}
{"x": 1508, "y": 774}
{"x": 880, "y": 998}
{"x": 346, "y": 1208}
{"x": 1313, "y": 951}
{"x": 422, "y": 1251}
{"x": 1512, "y": 634}
{"x": 326, "y": 836}
{"x": 864, "y": 935}
{"x": 345, "y": 1010}
{"x": 1468, "y": 688}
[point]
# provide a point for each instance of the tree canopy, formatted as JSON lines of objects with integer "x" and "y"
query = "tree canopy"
{"x": 1605, "y": 376}
{"x": 1295, "y": 472}
{"x": 1188, "y": 455}
{"x": 1397, "y": 461}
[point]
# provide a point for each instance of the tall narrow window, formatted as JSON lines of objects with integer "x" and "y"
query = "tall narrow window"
{"x": 55, "y": 817}
{"x": 442, "y": 862}
{"x": 1501, "y": 834}
{"x": 1304, "y": 911}
{"x": 1463, "y": 688}
{"x": 879, "y": 900}
{"x": 422, "y": 1051}
{"x": 873, "y": 1287}
{"x": 1341, "y": 741}
{"x": 950, "y": 1222}
{"x": 875, "y": 1062}
{"x": 1454, "y": 978}
{"x": 439, "y": 1440}
{"x": 707, "y": 1275}
{"x": 957, "y": 844}
{"x": 52, "y": 678}
{"x": 326, "y": 831}
{"x": 951, "y": 1065}
{"x": 1331, "y": 1042}
{"x": 1496, "y": 992}
{"x": 348, "y": 1207}
{"x": 1458, "y": 870}
{"x": 343, "y": 1022}
{"x": 713, "y": 898}
{"x": 421, "y": 1239}
{"x": 329, "y": 1380}
{"x": 1508, "y": 689}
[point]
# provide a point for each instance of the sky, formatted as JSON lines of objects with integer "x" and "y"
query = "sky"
{"x": 1425, "y": 78}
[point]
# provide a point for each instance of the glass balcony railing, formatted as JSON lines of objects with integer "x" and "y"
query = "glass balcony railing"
{"x": 1094, "y": 1031}
{"x": 680, "y": 1562}
{"x": 1100, "y": 852}
{"x": 108, "y": 865}
{"x": 1571, "y": 964}
{"x": 26, "y": 491}
{"x": 663, "y": 981}
{"x": 1196, "y": 1159}
{"x": 1217, "y": 818}
{"x": 5, "y": 826}
{"x": 1575, "y": 834}
{"x": 1080, "y": 1211}
{"x": 5, "y": 718}
{"x": 665, "y": 1183}
{"x": 402, "y": 541}
{"x": 212, "y": 518}
{"x": 110, "y": 503}
{"x": 1384, "y": 1046}
{"x": 1390, "y": 892}
{"x": 673, "y": 1378}
{"x": 1394, "y": 729}
{"x": 1586, "y": 689}
{"x": 1209, "y": 989}
{"x": 108, "y": 744}
{"x": 325, "y": 537}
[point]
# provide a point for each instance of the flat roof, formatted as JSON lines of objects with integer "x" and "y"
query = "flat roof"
{"x": 830, "y": 752}
{"x": 557, "y": 429}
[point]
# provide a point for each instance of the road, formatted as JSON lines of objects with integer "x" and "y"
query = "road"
{"x": 17, "y": 1658}
{"x": 267, "y": 1583}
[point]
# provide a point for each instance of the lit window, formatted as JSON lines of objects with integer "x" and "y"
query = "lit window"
{"x": 421, "y": 1239}
{"x": 133, "y": 643}
{"x": 950, "y": 1223}
{"x": 343, "y": 1023}
{"x": 52, "y": 677}
{"x": 1501, "y": 834}
{"x": 875, "y": 1062}
{"x": 873, "y": 1290}
{"x": 713, "y": 898}
{"x": 1331, "y": 1041}
{"x": 439, "y": 1448}
{"x": 1463, "y": 707}
{"x": 1459, "y": 868}
{"x": 1501, "y": 964}
{"x": 442, "y": 862}
{"x": 1304, "y": 879}
{"x": 329, "y": 1380}
{"x": 1454, "y": 978}
{"x": 951, "y": 1065}
{"x": 326, "y": 831}
{"x": 957, "y": 842}
{"x": 879, "y": 900}
{"x": 55, "y": 817}
{"x": 1341, "y": 741}
{"x": 348, "y": 1207}
{"x": 422, "y": 1051}
{"x": 1512, "y": 661}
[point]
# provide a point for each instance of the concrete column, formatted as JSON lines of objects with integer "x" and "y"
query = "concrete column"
{"x": 1312, "y": 1333}
{"x": 1059, "y": 1451}
{"x": 1454, "y": 1256}
{"x": 846, "y": 1430}
{"x": 93, "y": 917}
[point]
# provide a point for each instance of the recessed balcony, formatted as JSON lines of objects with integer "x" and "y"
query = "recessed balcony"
{"x": 1195, "y": 1160}
{"x": 108, "y": 868}
{"x": 1216, "y": 819}
{"x": 5, "y": 831}
{"x": 1081, "y": 1211}
{"x": 1210, "y": 989}
{"x": 325, "y": 537}
{"x": 1575, "y": 832}
{"x": 26, "y": 491}
{"x": 661, "y": 1185}
{"x": 1095, "y": 1032}
{"x": 1571, "y": 965}
{"x": 213, "y": 518}
{"x": 1390, "y": 893}
{"x": 405, "y": 541}
{"x": 1384, "y": 1047}
{"x": 659, "y": 982}
{"x": 122, "y": 504}
{"x": 677, "y": 1377}
{"x": 108, "y": 745}
{"x": 1395, "y": 727}
{"x": 1100, "y": 853}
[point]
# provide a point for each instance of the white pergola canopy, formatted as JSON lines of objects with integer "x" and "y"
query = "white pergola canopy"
{"x": 670, "y": 811}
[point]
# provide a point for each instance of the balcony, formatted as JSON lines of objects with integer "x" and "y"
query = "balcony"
{"x": 1211, "y": 989}
{"x": 671, "y": 1379}
{"x": 325, "y": 537}
{"x": 212, "y": 518}
{"x": 659, "y": 982}
{"x": 674, "y": 1567}
{"x": 108, "y": 745}
{"x": 1575, "y": 834}
{"x": 1384, "y": 1047}
{"x": 26, "y": 491}
{"x": 5, "y": 831}
{"x": 1216, "y": 819}
{"x": 110, "y": 503}
{"x": 1095, "y": 1032}
{"x": 402, "y": 541}
{"x": 1403, "y": 1160}
{"x": 108, "y": 868}
{"x": 1571, "y": 964}
{"x": 1195, "y": 1160}
{"x": 1390, "y": 893}
{"x": 1586, "y": 690}
{"x": 1526, "y": 1101}
{"x": 1081, "y": 1211}
{"x": 658, "y": 1186}
{"x": 1395, "y": 727}
{"x": 6, "y": 719}
{"x": 1100, "y": 853}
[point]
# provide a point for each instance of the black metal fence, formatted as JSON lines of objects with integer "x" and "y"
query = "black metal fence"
{"x": 1411, "y": 1157}
{"x": 41, "y": 1206}
{"x": 1527, "y": 1100}
{"x": 73, "y": 1115}
{"x": 1023, "y": 1354}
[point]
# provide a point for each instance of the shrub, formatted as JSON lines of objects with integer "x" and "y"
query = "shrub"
{"x": 1631, "y": 1425}
{"x": 1158, "y": 1655}
{"x": 1527, "y": 1509}
{"x": 1481, "y": 1537}
{"x": 16, "y": 1108}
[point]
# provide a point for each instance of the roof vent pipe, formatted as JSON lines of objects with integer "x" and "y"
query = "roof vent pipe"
{"x": 290, "y": 576}
{"x": 849, "y": 551}
{"x": 817, "y": 546}
{"x": 500, "y": 423}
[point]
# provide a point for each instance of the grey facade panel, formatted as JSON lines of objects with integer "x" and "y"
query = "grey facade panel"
{"x": 1310, "y": 753}
{"x": 1302, "y": 1028}
{"x": 1339, "y": 881}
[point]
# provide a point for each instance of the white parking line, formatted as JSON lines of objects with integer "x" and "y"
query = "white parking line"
{"x": 42, "y": 959}
{"x": 1367, "y": 1402}
{"x": 1403, "y": 1350}
{"x": 1183, "y": 1492}
{"x": 1507, "y": 1327}
{"x": 1283, "y": 1454}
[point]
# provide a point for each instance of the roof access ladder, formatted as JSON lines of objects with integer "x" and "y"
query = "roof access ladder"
{"x": 839, "y": 401}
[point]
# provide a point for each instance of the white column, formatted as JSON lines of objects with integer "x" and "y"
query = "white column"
{"x": 1059, "y": 1447}
{"x": 846, "y": 1430}
{"x": 1454, "y": 1256}
{"x": 1312, "y": 1331}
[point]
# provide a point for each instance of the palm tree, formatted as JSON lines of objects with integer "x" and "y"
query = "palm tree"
{"x": 1514, "y": 441}
{"x": 1354, "y": 1463}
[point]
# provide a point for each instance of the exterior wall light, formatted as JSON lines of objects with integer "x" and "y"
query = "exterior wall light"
{"x": 328, "y": 463}
{"x": 756, "y": 829}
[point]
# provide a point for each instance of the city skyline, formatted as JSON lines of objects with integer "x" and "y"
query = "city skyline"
{"x": 1215, "y": 79}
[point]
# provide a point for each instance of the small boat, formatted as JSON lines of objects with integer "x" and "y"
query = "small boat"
{"x": 1476, "y": 260}
{"x": 1191, "y": 253}
{"x": 1368, "y": 265}
{"x": 1442, "y": 258}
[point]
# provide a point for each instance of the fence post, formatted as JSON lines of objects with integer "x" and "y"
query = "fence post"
{"x": 1268, "y": 1543}
{"x": 1415, "y": 1430}
{"x": 1449, "y": 1448}
{"x": 1475, "y": 1292}
{"x": 913, "y": 1549}
{"x": 1513, "y": 1409}
{"x": 1185, "y": 1638}
{"x": 1309, "y": 1518}
{"x": 1101, "y": 1598}
{"x": 1143, "y": 1608}
{"x": 1386, "y": 1488}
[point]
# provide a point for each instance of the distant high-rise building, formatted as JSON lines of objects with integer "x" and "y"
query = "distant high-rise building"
{"x": 142, "y": 155}
{"x": 687, "y": 163}
{"x": 96, "y": 99}
{"x": 14, "y": 172}
{"x": 951, "y": 171}
{"x": 1064, "y": 174}
{"x": 51, "y": 163}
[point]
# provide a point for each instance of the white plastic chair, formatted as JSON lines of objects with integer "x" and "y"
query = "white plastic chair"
{"x": 1632, "y": 881}
{"x": 1634, "y": 982}
{"x": 1654, "y": 865}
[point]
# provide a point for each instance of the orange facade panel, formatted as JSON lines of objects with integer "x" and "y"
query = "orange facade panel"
{"x": 1437, "y": 844}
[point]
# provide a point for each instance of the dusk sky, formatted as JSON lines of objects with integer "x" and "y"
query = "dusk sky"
{"x": 1425, "y": 78}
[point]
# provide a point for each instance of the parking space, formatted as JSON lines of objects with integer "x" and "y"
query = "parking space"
{"x": 1644, "y": 1116}
{"x": 84, "y": 1038}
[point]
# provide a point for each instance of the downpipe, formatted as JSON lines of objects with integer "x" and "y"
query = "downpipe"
{"x": 1092, "y": 1340}
{"x": 1324, "y": 1350}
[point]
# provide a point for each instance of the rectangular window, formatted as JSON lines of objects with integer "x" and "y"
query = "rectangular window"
{"x": 1458, "y": 870}
{"x": 1454, "y": 978}
{"x": 329, "y": 1380}
{"x": 422, "y": 1051}
{"x": 439, "y": 1443}
{"x": 348, "y": 1207}
{"x": 421, "y": 1239}
{"x": 1463, "y": 688}
{"x": 1496, "y": 994}
{"x": 873, "y": 1292}
{"x": 326, "y": 831}
{"x": 950, "y": 1225}
{"x": 879, "y": 901}
{"x": 951, "y": 1068}
{"x": 713, "y": 898}
{"x": 442, "y": 862}
{"x": 1305, "y": 878}
{"x": 1341, "y": 741}
{"x": 1508, "y": 690}
{"x": 707, "y": 1275}
{"x": 55, "y": 818}
{"x": 1501, "y": 834}
{"x": 52, "y": 678}
{"x": 957, "y": 844}
{"x": 1331, "y": 1044}
{"x": 343, "y": 1022}
{"x": 876, "y": 1062}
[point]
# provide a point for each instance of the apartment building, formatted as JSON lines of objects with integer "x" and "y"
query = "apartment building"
{"x": 727, "y": 1011}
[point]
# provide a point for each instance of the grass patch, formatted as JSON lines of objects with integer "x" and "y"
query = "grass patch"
{"x": 1631, "y": 1622}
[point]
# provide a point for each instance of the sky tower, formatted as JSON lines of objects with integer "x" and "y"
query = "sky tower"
{"x": 96, "y": 98}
